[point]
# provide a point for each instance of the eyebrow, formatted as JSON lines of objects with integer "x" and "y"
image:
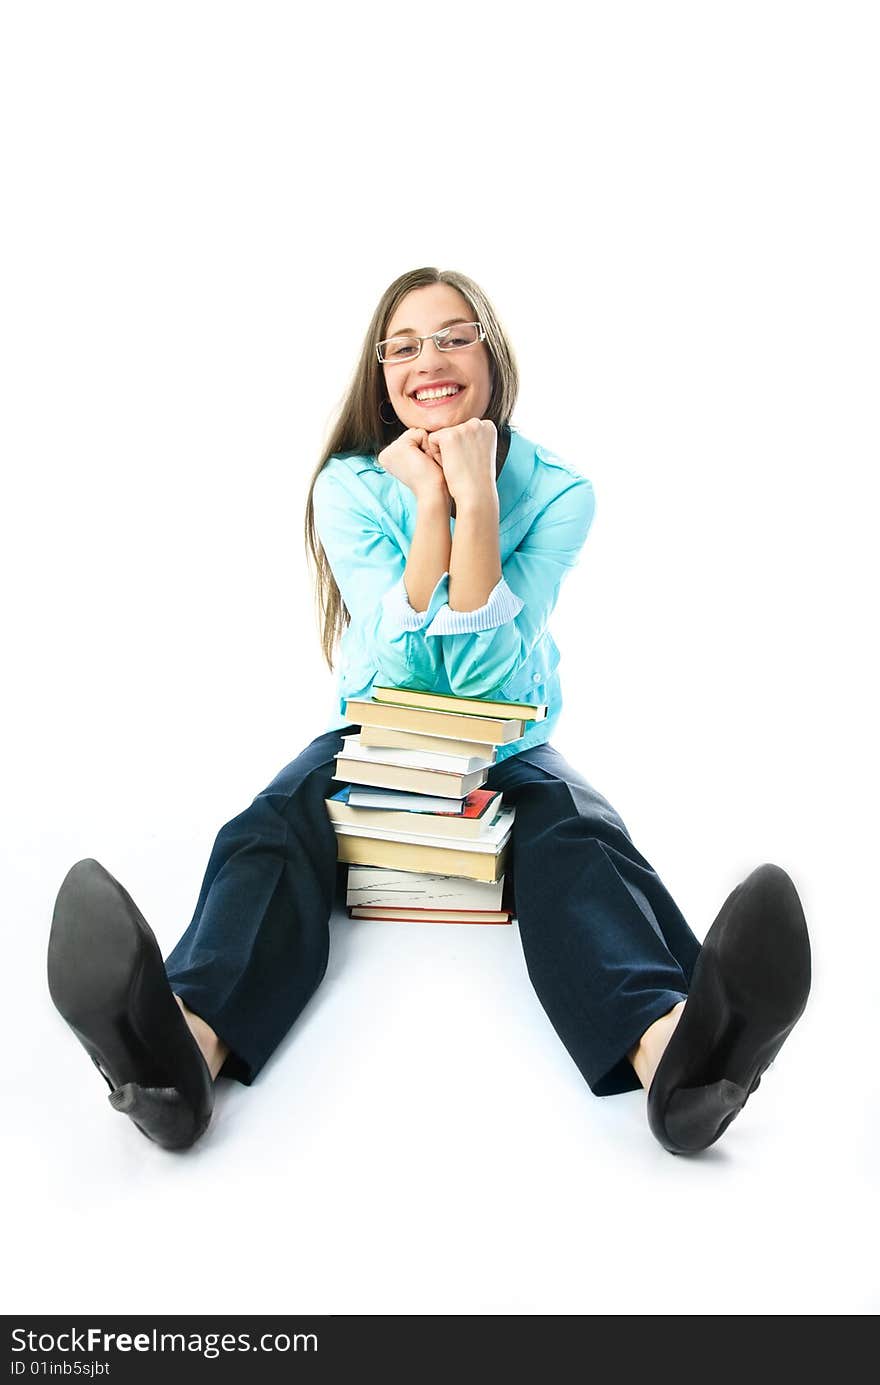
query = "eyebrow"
{"x": 411, "y": 331}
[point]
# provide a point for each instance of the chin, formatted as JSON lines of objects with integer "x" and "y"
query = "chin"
{"x": 433, "y": 424}
{"x": 432, "y": 420}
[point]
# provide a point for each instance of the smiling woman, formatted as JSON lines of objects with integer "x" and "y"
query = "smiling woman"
{"x": 441, "y": 537}
{"x": 435, "y": 377}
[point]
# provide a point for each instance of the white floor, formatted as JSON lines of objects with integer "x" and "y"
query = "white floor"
{"x": 678, "y": 232}
{"x": 422, "y": 1142}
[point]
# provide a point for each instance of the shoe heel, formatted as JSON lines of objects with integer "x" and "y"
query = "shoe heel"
{"x": 696, "y": 1116}
{"x": 160, "y": 1113}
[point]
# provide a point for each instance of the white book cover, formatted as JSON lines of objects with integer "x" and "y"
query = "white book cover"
{"x": 380, "y": 775}
{"x": 377, "y": 886}
{"x": 412, "y": 759}
{"x": 489, "y": 842}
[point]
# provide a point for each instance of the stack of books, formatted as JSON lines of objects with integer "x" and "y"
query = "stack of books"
{"x": 424, "y": 841}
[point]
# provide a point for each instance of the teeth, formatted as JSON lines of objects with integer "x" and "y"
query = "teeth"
{"x": 438, "y": 394}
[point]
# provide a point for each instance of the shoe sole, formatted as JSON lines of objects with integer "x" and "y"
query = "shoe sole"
{"x": 115, "y": 996}
{"x": 749, "y": 988}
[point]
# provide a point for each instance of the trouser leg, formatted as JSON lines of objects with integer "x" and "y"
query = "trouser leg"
{"x": 259, "y": 941}
{"x": 607, "y": 948}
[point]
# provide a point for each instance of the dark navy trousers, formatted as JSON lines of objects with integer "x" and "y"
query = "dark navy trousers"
{"x": 606, "y": 947}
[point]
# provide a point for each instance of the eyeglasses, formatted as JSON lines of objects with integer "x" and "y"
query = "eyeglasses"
{"x": 407, "y": 348}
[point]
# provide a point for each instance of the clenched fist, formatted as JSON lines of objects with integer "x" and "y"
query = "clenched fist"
{"x": 466, "y": 456}
{"x": 409, "y": 459}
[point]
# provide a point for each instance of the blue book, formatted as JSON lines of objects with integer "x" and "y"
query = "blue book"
{"x": 361, "y": 796}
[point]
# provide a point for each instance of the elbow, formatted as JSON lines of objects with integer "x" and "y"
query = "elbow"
{"x": 481, "y": 669}
{"x": 395, "y": 667}
{"x": 474, "y": 680}
{"x": 419, "y": 680}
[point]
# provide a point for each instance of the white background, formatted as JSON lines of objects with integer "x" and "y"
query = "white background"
{"x": 674, "y": 209}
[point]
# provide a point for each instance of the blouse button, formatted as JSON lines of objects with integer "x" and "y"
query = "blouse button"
{"x": 536, "y": 677}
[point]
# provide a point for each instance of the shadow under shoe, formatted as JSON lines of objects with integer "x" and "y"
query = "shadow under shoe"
{"x": 749, "y": 988}
{"x": 107, "y": 980}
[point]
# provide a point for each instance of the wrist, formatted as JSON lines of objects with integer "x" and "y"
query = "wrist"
{"x": 433, "y": 495}
{"x": 481, "y": 500}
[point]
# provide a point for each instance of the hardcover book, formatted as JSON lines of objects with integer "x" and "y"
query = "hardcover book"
{"x": 495, "y": 730}
{"x": 479, "y": 811}
{"x": 448, "y": 702}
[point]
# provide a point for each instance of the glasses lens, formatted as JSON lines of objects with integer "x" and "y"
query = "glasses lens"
{"x": 399, "y": 348}
{"x": 460, "y": 334}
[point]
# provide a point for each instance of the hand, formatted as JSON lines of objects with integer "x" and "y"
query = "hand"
{"x": 409, "y": 460}
{"x": 466, "y": 454}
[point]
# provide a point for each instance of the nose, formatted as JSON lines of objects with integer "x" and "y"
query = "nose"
{"x": 430, "y": 355}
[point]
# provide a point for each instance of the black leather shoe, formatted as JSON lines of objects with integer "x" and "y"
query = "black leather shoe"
{"x": 107, "y": 979}
{"x": 748, "y": 990}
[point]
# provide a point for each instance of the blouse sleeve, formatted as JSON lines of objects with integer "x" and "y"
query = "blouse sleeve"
{"x": 368, "y": 565}
{"x": 482, "y": 656}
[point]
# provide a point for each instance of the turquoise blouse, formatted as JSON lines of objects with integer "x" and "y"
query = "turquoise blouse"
{"x": 365, "y": 519}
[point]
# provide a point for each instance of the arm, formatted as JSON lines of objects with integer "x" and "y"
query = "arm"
{"x": 369, "y": 564}
{"x": 485, "y": 649}
{"x": 428, "y": 559}
{"x": 475, "y": 561}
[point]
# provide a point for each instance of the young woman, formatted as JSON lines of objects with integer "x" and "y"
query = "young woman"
{"x": 441, "y": 536}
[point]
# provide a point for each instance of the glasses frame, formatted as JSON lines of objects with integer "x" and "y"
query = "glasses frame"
{"x": 432, "y": 336}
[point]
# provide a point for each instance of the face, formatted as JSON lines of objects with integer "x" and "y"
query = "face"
{"x": 425, "y": 310}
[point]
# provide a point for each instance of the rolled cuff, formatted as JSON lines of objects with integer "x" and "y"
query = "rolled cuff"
{"x": 502, "y": 606}
{"x": 400, "y": 614}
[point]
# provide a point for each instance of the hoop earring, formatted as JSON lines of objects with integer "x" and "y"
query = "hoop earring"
{"x": 386, "y": 421}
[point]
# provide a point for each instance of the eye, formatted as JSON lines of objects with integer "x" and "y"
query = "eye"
{"x": 400, "y": 348}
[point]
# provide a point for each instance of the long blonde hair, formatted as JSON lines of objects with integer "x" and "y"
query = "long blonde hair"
{"x": 361, "y": 430}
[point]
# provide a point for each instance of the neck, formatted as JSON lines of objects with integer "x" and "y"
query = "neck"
{"x": 501, "y": 455}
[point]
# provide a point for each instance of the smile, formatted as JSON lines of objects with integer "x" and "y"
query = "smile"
{"x": 427, "y": 397}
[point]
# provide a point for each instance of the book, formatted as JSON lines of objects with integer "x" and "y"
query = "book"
{"x": 389, "y": 915}
{"x": 481, "y": 808}
{"x": 406, "y": 777}
{"x": 436, "y": 759}
{"x": 362, "y": 796}
{"x": 372, "y": 886}
{"x": 418, "y": 759}
{"x": 449, "y": 702}
{"x": 411, "y": 740}
{"x": 489, "y": 838}
{"x": 418, "y": 858}
{"x": 498, "y": 731}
